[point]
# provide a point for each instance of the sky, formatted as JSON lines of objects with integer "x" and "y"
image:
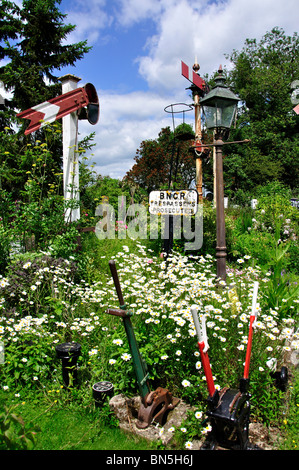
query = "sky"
{"x": 135, "y": 61}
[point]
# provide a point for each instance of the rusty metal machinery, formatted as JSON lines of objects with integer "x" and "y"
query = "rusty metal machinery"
{"x": 156, "y": 404}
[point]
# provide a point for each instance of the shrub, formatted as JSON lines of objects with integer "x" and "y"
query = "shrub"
{"x": 14, "y": 433}
{"x": 274, "y": 222}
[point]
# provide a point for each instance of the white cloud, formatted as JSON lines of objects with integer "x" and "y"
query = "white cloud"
{"x": 137, "y": 105}
{"x": 184, "y": 28}
{"x": 161, "y": 67}
{"x": 133, "y": 11}
{"x": 209, "y": 31}
{"x": 125, "y": 121}
{"x": 91, "y": 19}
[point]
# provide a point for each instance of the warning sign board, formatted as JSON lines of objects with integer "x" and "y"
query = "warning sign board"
{"x": 182, "y": 202}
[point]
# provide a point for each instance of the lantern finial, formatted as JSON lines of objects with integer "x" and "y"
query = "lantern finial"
{"x": 196, "y": 65}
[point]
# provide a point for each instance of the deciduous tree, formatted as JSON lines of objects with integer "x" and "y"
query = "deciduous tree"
{"x": 262, "y": 76}
{"x": 164, "y": 162}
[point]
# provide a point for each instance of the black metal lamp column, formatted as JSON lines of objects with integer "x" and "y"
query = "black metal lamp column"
{"x": 220, "y": 216}
{"x": 219, "y": 107}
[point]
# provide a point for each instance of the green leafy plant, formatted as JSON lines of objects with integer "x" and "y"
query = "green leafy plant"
{"x": 274, "y": 224}
{"x": 194, "y": 427}
{"x": 281, "y": 290}
{"x": 290, "y": 423}
{"x": 14, "y": 433}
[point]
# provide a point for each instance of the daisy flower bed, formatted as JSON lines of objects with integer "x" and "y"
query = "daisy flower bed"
{"x": 44, "y": 303}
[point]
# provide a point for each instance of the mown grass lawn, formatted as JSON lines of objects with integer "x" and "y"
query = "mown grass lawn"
{"x": 60, "y": 427}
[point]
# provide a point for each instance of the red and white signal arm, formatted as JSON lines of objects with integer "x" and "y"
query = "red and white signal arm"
{"x": 193, "y": 77}
{"x": 60, "y": 106}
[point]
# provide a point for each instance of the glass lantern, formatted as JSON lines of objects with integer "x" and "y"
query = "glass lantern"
{"x": 219, "y": 105}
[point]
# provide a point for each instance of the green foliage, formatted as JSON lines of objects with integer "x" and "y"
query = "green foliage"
{"x": 31, "y": 282}
{"x": 267, "y": 401}
{"x": 281, "y": 288}
{"x": 22, "y": 161}
{"x": 184, "y": 132}
{"x": 64, "y": 244}
{"x": 5, "y": 241}
{"x": 209, "y": 229}
{"x": 193, "y": 427}
{"x": 31, "y": 63}
{"x": 14, "y": 433}
{"x": 106, "y": 188}
{"x": 88, "y": 428}
{"x": 271, "y": 234}
{"x": 290, "y": 424}
{"x": 28, "y": 364}
{"x": 36, "y": 219}
{"x": 163, "y": 162}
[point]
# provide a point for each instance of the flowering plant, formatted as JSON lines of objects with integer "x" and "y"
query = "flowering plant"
{"x": 160, "y": 294}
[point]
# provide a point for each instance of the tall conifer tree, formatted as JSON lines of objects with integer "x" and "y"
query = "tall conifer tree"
{"x": 35, "y": 50}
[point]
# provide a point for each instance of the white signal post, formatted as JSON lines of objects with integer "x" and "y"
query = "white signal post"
{"x": 70, "y": 153}
{"x": 66, "y": 106}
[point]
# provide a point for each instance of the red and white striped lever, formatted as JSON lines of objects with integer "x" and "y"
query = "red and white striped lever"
{"x": 56, "y": 108}
{"x": 193, "y": 77}
{"x": 252, "y": 320}
{"x": 203, "y": 348}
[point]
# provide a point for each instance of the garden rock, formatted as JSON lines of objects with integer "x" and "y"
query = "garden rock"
{"x": 126, "y": 411}
{"x": 262, "y": 437}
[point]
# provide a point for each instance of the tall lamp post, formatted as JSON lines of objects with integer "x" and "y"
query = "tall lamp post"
{"x": 219, "y": 108}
